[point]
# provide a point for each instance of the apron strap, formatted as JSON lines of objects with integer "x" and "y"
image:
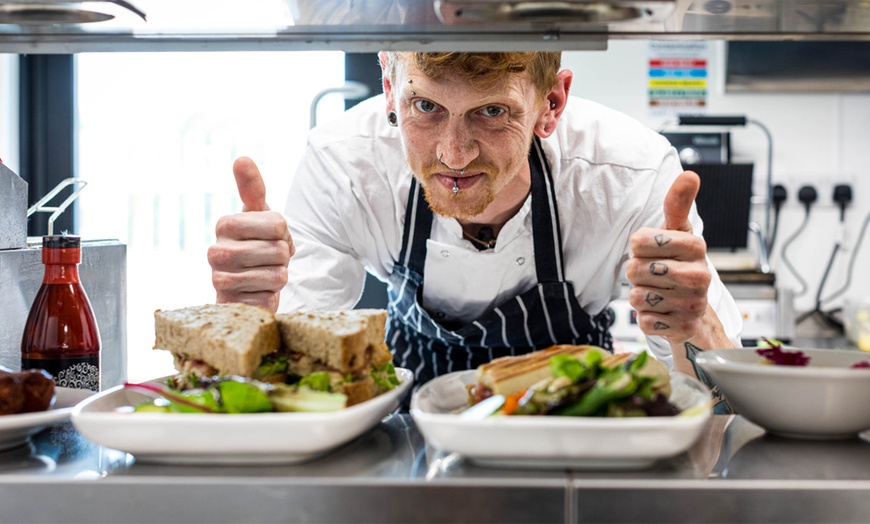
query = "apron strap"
{"x": 545, "y": 218}
{"x": 418, "y": 226}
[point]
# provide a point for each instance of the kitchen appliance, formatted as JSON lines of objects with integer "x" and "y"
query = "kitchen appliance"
{"x": 767, "y": 311}
{"x": 698, "y": 148}
{"x": 723, "y": 203}
{"x": 103, "y": 271}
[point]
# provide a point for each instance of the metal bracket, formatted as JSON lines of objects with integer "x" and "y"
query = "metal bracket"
{"x": 56, "y": 211}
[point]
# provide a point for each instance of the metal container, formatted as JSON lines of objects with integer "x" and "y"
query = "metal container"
{"x": 13, "y": 208}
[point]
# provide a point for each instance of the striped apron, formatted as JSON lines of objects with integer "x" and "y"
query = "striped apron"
{"x": 544, "y": 315}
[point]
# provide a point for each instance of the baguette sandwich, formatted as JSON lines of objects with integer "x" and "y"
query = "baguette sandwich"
{"x": 339, "y": 352}
{"x": 510, "y": 375}
{"x": 577, "y": 381}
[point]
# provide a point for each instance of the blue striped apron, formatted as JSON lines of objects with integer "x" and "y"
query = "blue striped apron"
{"x": 544, "y": 315}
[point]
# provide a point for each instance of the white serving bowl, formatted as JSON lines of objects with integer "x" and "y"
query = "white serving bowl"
{"x": 824, "y": 400}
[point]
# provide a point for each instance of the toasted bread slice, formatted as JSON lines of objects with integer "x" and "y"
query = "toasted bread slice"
{"x": 341, "y": 340}
{"x": 508, "y": 375}
{"x": 359, "y": 390}
{"x": 231, "y": 338}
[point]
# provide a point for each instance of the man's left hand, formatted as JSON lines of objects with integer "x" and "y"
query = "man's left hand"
{"x": 669, "y": 269}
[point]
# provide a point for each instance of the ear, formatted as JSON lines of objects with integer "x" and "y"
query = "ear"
{"x": 554, "y": 104}
{"x": 388, "y": 85}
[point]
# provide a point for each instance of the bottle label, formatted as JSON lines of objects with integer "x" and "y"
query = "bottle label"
{"x": 77, "y": 373}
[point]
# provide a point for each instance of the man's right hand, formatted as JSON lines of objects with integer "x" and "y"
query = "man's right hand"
{"x": 249, "y": 260}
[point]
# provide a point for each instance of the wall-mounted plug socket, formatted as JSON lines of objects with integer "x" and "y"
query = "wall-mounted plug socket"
{"x": 778, "y": 195}
{"x": 808, "y": 195}
{"x": 843, "y": 197}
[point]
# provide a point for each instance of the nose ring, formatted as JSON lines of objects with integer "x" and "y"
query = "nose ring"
{"x": 461, "y": 171}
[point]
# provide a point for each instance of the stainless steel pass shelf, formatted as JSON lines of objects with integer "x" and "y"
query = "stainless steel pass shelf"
{"x": 734, "y": 474}
{"x": 421, "y": 25}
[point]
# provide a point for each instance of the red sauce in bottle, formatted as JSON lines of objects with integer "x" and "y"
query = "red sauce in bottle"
{"x": 61, "y": 334}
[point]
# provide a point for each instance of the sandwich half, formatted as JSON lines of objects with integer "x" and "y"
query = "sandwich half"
{"x": 217, "y": 339}
{"x": 345, "y": 347}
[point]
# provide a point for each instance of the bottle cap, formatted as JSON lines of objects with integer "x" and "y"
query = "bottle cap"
{"x": 61, "y": 249}
{"x": 62, "y": 241}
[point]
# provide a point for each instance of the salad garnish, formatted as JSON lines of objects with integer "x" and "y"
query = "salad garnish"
{"x": 775, "y": 355}
{"x": 623, "y": 385}
{"x": 234, "y": 395}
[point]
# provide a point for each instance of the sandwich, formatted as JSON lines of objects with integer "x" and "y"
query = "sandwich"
{"x": 217, "y": 339}
{"x": 331, "y": 351}
{"x": 510, "y": 375}
{"x": 577, "y": 381}
{"x": 346, "y": 348}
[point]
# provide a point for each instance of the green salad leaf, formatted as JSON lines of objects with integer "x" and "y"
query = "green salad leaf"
{"x": 317, "y": 381}
{"x": 385, "y": 376}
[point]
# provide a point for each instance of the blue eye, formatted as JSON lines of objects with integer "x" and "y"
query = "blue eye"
{"x": 425, "y": 106}
{"x": 493, "y": 111}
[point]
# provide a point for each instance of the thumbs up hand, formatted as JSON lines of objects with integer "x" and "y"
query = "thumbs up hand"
{"x": 253, "y": 248}
{"x": 669, "y": 270}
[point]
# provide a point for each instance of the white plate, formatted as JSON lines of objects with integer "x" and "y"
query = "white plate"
{"x": 261, "y": 438}
{"x": 556, "y": 442}
{"x": 16, "y": 430}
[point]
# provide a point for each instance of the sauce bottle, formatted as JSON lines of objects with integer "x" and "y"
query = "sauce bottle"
{"x": 61, "y": 334}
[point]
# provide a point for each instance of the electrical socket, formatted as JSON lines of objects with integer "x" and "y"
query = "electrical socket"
{"x": 807, "y": 195}
{"x": 779, "y": 194}
{"x": 824, "y": 186}
{"x": 842, "y": 197}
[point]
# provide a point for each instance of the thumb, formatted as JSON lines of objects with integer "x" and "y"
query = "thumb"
{"x": 252, "y": 189}
{"x": 678, "y": 201}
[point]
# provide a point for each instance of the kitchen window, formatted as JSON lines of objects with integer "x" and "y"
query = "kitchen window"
{"x": 157, "y": 134}
{"x": 9, "y": 110}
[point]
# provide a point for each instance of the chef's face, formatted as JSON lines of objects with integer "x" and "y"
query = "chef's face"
{"x": 455, "y": 134}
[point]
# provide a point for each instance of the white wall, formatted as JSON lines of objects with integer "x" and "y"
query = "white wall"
{"x": 819, "y": 139}
{"x": 9, "y": 111}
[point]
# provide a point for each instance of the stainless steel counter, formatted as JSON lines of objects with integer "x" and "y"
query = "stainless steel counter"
{"x": 734, "y": 474}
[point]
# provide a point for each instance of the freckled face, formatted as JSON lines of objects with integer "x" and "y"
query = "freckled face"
{"x": 483, "y": 135}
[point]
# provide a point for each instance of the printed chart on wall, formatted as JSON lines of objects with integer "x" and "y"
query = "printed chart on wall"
{"x": 677, "y": 78}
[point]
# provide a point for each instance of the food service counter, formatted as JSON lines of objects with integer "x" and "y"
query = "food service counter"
{"x": 735, "y": 473}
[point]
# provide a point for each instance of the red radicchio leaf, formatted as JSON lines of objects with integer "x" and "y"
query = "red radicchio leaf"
{"x": 779, "y": 357}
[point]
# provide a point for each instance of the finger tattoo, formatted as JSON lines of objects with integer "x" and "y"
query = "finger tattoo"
{"x": 659, "y": 325}
{"x": 658, "y": 268}
{"x": 662, "y": 239}
{"x": 653, "y": 299}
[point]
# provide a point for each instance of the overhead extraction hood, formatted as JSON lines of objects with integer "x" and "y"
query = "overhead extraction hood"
{"x": 436, "y": 25}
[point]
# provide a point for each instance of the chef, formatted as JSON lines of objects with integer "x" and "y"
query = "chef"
{"x": 503, "y": 215}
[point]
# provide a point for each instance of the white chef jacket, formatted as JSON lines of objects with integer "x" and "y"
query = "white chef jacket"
{"x": 346, "y": 211}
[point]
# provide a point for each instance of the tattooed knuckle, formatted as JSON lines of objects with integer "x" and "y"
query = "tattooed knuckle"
{"x": 658, "y": 268}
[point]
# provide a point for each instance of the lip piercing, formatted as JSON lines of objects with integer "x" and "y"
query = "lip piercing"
{"x": 455, "y": 187}
{"x": 461, "y": 171}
